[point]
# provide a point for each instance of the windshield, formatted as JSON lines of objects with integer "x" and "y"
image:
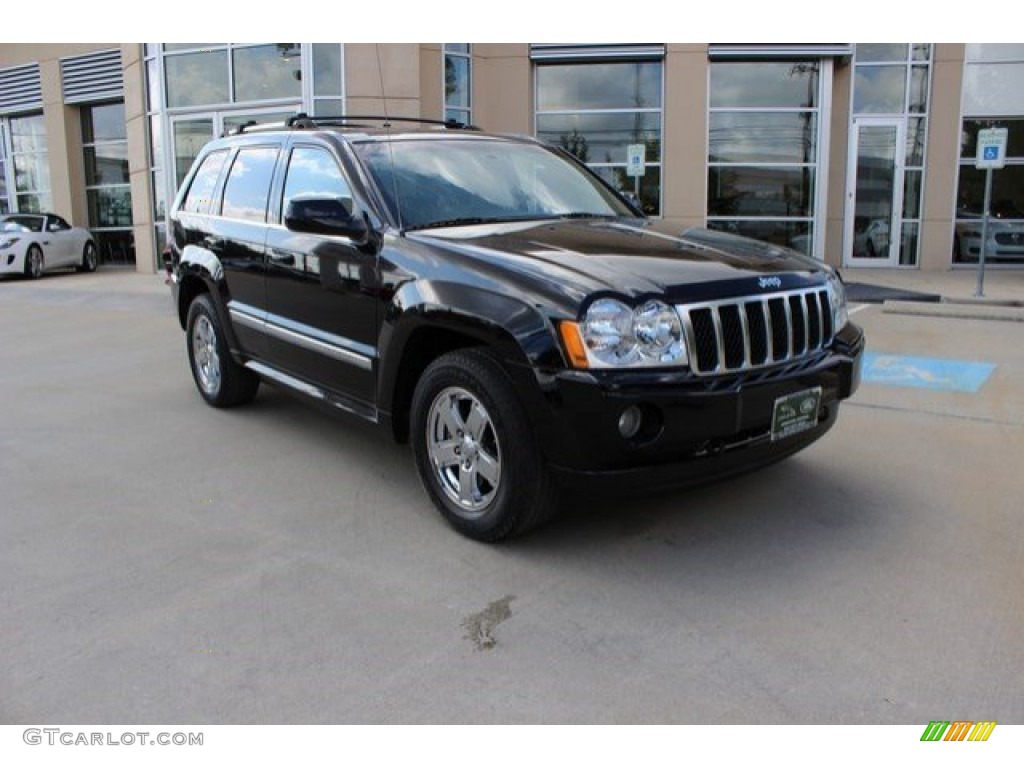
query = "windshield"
{"x": 448, "y": 182}
{"x": 21, "y": 224}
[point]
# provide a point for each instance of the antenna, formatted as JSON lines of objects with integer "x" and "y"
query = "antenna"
{"x": 391, "y": 148}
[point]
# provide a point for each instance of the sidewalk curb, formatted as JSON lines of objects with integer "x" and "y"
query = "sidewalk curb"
{"x": 957, "y": 309}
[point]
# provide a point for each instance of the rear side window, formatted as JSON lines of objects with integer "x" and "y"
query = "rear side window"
{"x": 313, "y": 172}
{"x": 201, "y": 190}
{"x": 248, "y": 186}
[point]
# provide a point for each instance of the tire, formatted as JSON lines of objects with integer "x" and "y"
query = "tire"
{"x": 34, "y": 262}
{"x": 476, "y": 455}
{"x": 221, "y": 381}
{"x": 89, "y": 258}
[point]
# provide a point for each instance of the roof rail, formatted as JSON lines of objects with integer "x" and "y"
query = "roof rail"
{"x": 302, "y": 120}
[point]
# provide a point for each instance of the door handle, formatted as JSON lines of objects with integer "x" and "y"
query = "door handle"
{"x": 285, "y": 258}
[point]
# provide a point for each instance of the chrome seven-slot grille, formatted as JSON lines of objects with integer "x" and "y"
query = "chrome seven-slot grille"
{"x": 752, "y": 332}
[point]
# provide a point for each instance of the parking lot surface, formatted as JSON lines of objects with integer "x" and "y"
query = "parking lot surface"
{"x": 163, "y": 561}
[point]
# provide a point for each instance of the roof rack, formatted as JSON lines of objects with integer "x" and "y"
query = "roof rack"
{"x": 302, "y": 120}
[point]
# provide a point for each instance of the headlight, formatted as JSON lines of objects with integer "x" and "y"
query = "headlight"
{"x": 613, "y": 335}
{"x": 8, "y": 242}
{"x": 837, "y": 298}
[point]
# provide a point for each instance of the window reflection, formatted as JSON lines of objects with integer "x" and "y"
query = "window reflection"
{"x": 596, "y": 111}
{"x": 617, "y": 85}
{"x": 197, "y": 78}
{"x": 879, "y": 90}
{"x": 762, "y": 137}
{"x": 267, "y": 72}
{"x": 764, "y": 84}
{"x": 872, "y": 52}
{"x": 763, "y": 150}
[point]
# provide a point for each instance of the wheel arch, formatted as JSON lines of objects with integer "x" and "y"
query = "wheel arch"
{"x": 418, "y": 331}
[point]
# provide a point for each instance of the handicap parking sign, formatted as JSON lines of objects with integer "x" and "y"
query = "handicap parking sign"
{"x": 991, "y": 148}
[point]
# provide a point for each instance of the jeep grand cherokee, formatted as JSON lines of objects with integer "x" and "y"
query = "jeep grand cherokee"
{"x": 495, "y": 303}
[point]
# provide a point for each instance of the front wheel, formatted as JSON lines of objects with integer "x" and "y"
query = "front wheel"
{"x": 34, "y": 262}
{"x": 221, "y": 381}
{"x": 475, "y": 452}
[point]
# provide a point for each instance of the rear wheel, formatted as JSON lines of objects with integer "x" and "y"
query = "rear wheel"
{"x": 221, "y": 381}
{"x": 475, "y": 452}
{"x": 34, "y": 262}
{"x": 89, "y": 258}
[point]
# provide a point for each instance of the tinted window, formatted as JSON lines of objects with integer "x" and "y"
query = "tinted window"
{"x": 57, "y": 224}
{"x": 199, "y": 194}
{"x": 312, "y": 172}
{"x": 248, "y": 184}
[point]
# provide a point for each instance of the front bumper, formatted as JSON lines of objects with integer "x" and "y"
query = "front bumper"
{"x": 696, "y": 429}
{"x": 11, "y": 263}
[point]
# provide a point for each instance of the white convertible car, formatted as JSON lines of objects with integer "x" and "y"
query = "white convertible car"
{"x": 31, "y": 243}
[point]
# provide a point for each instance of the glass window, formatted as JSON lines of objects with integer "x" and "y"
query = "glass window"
{"x": 109, "y": 207}
{"x": 313, "y": 172}
{"x": 602, "y": 137}
{"x": 29, "y": 167}
{"x": 266, "y": 72}
{"x": 871, "y": 52}
{"x": 108, "y": 191}
{"x": 248, "y": 186}
{"x": 599, "y": 86}
{"x": 327, "y": 70}
{"x": 458, "y": 66}
{"x": 763, "y": 150}
{"x": 762, "y": 137}
{"x": 880, "y": 90}
{"x": 596, "y": 111}
{"x": 104, "y": 122}
{"x": 197, "y": 78}
{"x": 781, "y": 85}
{"x": 204, "y": 183}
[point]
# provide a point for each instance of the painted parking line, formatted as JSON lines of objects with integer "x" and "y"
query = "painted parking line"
{"x": 925, "y": 372}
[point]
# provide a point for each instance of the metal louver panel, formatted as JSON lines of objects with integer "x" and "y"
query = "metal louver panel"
{"x": 745, "y": 334}
{"x": 574, "y": 52}
{"x": 20, "y": 89}
{"x": 92, "y": 77}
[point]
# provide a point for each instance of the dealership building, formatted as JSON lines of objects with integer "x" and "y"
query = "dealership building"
{"x": 859, "y": 154}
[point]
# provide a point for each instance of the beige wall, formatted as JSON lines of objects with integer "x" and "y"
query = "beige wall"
{"x": 838, "y": 158}
{"x": 943, "y": 154}
{"x": 502, "y": 97}
{"x": 684, "y": 177}
{"x": 146, "y": 258}
{"x": 382, "y": 79}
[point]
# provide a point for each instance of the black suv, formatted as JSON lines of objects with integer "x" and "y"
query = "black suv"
{"x": 497, "y": 304}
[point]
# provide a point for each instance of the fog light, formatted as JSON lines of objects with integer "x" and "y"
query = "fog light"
{"x": 630, "y": 421}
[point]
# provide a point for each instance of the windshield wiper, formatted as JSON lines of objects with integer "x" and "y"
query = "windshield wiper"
{"x": 463, "y": 222}
{"x": 584, "y": 215}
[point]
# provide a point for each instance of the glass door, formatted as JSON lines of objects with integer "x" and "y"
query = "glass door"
{"x": 874, "y": 192}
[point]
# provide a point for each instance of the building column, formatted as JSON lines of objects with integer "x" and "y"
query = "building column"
{"x": 942, "y": 157}
{"x": 63, "y": 147}
{"x": 147, "y": 260}
{"x": 684, "y": 174}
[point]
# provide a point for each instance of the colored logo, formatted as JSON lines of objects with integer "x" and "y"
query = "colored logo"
{"x": 958, "y": 730}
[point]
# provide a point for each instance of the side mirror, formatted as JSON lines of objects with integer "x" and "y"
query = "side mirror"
{"x": 325, "y": 216}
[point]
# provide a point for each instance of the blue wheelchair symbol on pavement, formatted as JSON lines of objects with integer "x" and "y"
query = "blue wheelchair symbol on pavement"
{"x": 991, "y": 153}
{"x": 925, "y": 372}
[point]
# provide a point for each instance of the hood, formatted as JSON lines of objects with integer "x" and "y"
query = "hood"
{"x": 633, "y": 259}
